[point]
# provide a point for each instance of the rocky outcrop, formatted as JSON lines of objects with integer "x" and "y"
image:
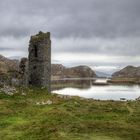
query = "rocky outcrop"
{"x": 79, "y": 72}
{"x": 8, "y": 90}
{"x": 59, "y": 71}
{"x": 7, "y": 65}
{"x": 8, "y": 70}
{"x": 129, "y": 74}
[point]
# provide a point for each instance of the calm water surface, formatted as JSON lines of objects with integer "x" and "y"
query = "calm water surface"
{"x": 86, "y": 88}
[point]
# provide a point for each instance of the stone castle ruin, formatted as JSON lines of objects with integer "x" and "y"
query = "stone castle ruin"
{"x": 36, "y": 70}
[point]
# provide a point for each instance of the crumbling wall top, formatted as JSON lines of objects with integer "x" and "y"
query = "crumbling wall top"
{"x": 40, "y": 37}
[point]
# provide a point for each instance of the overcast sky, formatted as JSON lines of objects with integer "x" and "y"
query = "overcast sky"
{"x": 103, "y": 34}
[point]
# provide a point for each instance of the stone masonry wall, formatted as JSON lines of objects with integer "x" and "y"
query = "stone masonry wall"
{"x": 39, "y": 65}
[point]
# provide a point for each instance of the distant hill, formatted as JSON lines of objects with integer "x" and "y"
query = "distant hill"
{"x": 128, "y": 72}
{"x": 102, "y": 74}
{"x": 7, "y": 65}
{"x": 59, "y": 71}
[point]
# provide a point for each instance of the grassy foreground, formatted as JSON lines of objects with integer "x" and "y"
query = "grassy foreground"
{"x": 21, "y": 118}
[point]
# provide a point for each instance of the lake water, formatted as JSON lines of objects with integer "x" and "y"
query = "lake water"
{"x": 87, "y": 88}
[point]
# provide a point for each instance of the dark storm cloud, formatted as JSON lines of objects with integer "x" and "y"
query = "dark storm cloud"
{"x": 64, "y": 18}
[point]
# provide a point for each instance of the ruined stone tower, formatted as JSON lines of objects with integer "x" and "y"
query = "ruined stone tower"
{"x": 40, "y": 60}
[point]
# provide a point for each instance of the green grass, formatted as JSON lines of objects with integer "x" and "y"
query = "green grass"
{"x": 69, "y": 119}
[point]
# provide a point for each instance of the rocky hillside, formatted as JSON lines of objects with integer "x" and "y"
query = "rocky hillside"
{"x": 79, "y": 71}
{"x": 8, "y": 70}
{"x": 59, "y": 71}
{"x": 7, "y": 65}
{"x": 128, "y": 72}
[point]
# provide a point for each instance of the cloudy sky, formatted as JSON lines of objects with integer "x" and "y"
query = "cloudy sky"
{"x": 103, "y": 34}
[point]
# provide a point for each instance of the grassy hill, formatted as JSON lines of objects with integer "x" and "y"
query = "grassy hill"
{"x": 25, "y": 117}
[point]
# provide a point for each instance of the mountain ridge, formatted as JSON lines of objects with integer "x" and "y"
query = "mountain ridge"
{"x": 58, "y": 70}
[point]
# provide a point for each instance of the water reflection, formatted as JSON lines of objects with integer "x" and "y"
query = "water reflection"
{"x": 73, "y": 83}
{"x": 88, "y": 89}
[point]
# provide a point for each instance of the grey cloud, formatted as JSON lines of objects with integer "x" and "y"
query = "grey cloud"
{"x": 114, "y": 47}
{"x": 65, "y": 18}
{"x": 4, "y": 49}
